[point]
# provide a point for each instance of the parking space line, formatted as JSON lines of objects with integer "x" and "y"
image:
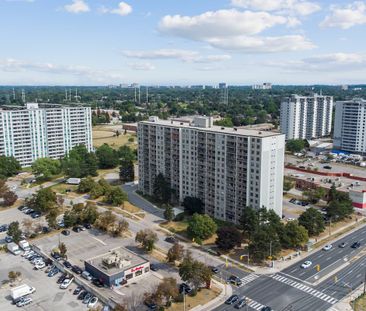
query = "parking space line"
{"x": 100, "y": 241}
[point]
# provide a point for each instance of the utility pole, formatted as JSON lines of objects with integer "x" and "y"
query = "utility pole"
{"x": 364, "y": 284}
{"x": 330, "y": 225}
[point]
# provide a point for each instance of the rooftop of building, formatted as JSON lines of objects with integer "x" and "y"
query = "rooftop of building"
{"x": 206, "y": 124}
{"x": 116, "y": 260}
{"x": 32, "y": 106}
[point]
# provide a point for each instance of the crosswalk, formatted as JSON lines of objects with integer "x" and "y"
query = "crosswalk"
{"x": 255, "y": 305}
{"x": 305, "y": 288}
{"x": 249, "y": 278}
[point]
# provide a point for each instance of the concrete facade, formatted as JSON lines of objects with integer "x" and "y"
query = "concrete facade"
{"x": 227, "y": 168}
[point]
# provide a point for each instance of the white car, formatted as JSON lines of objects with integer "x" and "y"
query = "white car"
{"x": 306, "y": 264}
{"x": 327, "y": 247}
{"x": 93, "y": 302}
{"x": 24, "y": 301}
{"x": 66, "y": 283}
{"x": 40, "y": 265}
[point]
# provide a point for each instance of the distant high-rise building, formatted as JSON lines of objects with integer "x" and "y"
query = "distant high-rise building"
{"x": 264, "y": 86}
{"x": 344, "y": 87}
{"x": 224, "y": 93}
{"x": 350, "y": 126}
{"x": 31, "y": 133}
{"x": 227, "y": 168}
{"x": 306, "y": 117}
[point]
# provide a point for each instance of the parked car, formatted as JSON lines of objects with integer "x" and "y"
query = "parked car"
{"x": 67, "y": 264}
{"x": 82, "y": 294}
{"x": 184, "y": 288}
{"x": 35, "y": 215}
{"x": 53, "y": 272}
{"x": 266, "y": 309}
{"x": 40, "y": 266}
{"x": 97, "y": 283}
{"x": 153, "y": 267}
{"x": 62, "y": 278}
{"x": 327, "y": 167}
{"x": 232, "y": 299}
{"x": 86, "y": 275}
{"x": 93, "y": 302}
{"x": 8, "y": 239}
{"x": 56, "y": 256}
{"x": 77, "y": 290}
{"x": 76, "y": 269}
{"x": 87, "y": 298}
{"x": 65, "y": 232}
{"x": 306, "y": 264}
{"x": 171, "y": 239}
{"x": 77, "y": 229}
{"x": 4, "y": 228}
{"x": 215, "y": 270}
{"x": 87, "y": 226}
{"x": 24, "y": 301}
{"x": 66, "y": 283}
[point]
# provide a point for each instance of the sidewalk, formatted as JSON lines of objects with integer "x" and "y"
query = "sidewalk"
{"x": 226, "y": 292}
{"x": 345, "y": 304}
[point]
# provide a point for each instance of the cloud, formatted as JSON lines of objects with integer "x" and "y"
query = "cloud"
{"x": 295, "y": 7}
{"x": 77, "y": 6}
{"x": 235, "y": 30}
{"x": 347, "y": 16}
{"x": 17, "y": 66}
{"x": 183, "y": 55}
{"x": 141, "y": 66}
{"x": 122, "y": 10}
{"x": 326, "y": 62}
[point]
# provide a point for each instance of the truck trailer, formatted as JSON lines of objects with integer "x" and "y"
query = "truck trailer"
{"x": 20, "y": 291}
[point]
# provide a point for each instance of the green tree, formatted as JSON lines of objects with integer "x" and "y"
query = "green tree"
{"x": 63, "y": 249}
{"x": 70, "y": 219}
{"x": 312, "y": 220}
{"x": 127, "y": 171}
{"x": 167, "y": 290}
{"x": 43, "y": 201}
{"x": 106, "y": 221}
{"x": 201, "y": 227}
{"x": 228, "y": 238}
{"x": 288, "y": 184}
{"x": 80, "y": 163}
{"x": 51, "y": 218}
{"x": 314, "y": 195}
{"x": 193, "y": 205}
{"x": 127, "y": 154}
{"x": 294, "y": 235}
{"x": 169, "y": 213}
{"x": 147, "y": 239}
{"x": 96, "y": 191}
{"x": 339, "y": 209}
{"x": 227, "y": 122}
{"x": 295, "y": 145}
{"x": 264, "y": 242}
{"x": 175, "y": 253}
{"x": 89, "y": 214}
{"x": 116, "y": 196}
{"x": 9, "y": 166}
{"x": 45, "y": 168}
{"x": 249, "y": 221}
{"x": 161, "y": 189}
{"x": 14, "y": 275}
{"x": 107, "y": 157}
{"x": 14, "y": 231}
{"x": 86, "y": 185}
{"x": 120, "y": 228}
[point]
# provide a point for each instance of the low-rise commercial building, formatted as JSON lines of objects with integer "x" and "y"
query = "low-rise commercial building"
{"x": 117, "y": 267}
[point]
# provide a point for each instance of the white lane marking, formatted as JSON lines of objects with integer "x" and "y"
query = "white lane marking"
{"x": 100, "y": 241}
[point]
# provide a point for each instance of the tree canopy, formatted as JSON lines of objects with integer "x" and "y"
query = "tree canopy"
{"x": 201, "y": 227}
{"x": 9, "y": 166}
{"x": 45, "y": 168}
{"x": 80, "y": 163}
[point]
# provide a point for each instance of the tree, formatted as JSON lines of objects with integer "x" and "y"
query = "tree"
{"x": 3, "y": 187}
{"x": 107, "y": 157}
{"x": 161, "y": 189}
{"x": 201, "y": 227}
{"x": 9, "y": 166}
{"x": 127, "y": 171}
{"x": 175, "y": 253}
{"x": 96, "y": 191}
{"x": 45, "y": 168}
{"x": 193, "y": 205}
{"x": 9, "y": 198}
{"x": 127, "y": 154}
{"x": 51, "y": 218}
{"x": 14, "y": 231}
{"x": 120, "y": 228}
{"x": 13, "y": 275}
{"x": 314, "y": 195}
{"x": 167, "y": 290}
{"x": 249, "y": 221}
{"x": 194, "y": 272}
{"x": 312, "y": 220}
{"x": 70, "y": 219}
{"x": 264, "y": 242}
{"x": 294, "y": 235}
{"x": 86, "y": 185}
{"x": 106, "y": 220}
{"x": 169, "y": 213}
{"x": 80, "y": 163}
{"x": 288, "y": 184}
{"x": 63, "y": 249}
{"x": 295, "y": 145}
{"x": 147, "y": 238}
{"x": 339, "y": 209}
{"x": 43, "y": 201}
{"x": 116, "y": 196}
{"x": 228, "y": 238}
{"x": 89, "y": 214}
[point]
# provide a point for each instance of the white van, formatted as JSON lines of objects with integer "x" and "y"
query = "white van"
{"x": 86, "y": 275}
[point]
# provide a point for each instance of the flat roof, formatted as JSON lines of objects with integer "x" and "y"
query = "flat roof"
{"x": 123, "y": 253}
{"x": 215, "y": 128}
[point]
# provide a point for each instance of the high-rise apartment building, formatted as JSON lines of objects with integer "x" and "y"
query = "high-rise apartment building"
{"x": 350, "y": 126}
{"x": 306, "y": 117}
{"x": 31, "y": 132}
{"x": 227, "y": 168}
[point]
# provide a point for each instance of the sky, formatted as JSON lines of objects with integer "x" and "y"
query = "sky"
{"x": 182, "y": 42}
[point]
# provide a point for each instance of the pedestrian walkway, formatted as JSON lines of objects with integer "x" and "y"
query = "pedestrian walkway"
{"x": 249, "y": 278}
{"x": 255, "y": 305}
{"x": 307, "y": 289}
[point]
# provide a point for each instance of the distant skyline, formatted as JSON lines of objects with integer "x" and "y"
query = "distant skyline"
{"x": 182, "y": 42}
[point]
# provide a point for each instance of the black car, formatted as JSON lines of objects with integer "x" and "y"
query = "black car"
{"x": 232, "y": 299}
{"x": 4, "y": 228}
{"x": 67, "y": 264}
{"x": 97, "y": 283}
{"x": 76, "y": 269}
{"x": 56, "y": 256}
{"x": 184, "y": 288}
{"x": 235, "y": 280}
{"x": 46, "y": 229}
{"x": 87, "y": 226}
{"x": 35, "y": 215}
{"x": 356, "y": 245}
{"x": 151, "y": 305}
{"x": 327, "y": 167}
{"x": 65, "y": 232}
{"x": 153, "y": 267}
{"x": 77, "y": 229}
{"x": 82, "y": 295}
{"x": 241, "y": 303}
{"x": 8, "y": 239}
{"x": 62, "y": 278}
{"x": 170, "y": 239}
{"x": 266, "y": 309}
{"x": 77, "y": 290}
{"x": 215, "y": 270}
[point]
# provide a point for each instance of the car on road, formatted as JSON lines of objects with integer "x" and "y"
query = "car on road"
{"x": 327, "y": 167}
{"x": 241, "y": 303}
{"x": 232, "y": 299}
{"x": 153, "y": 267}
{"x": 76, "y": 269}
{"x": 306, "y": 264}
{"x": 342, "y": 245}
{"x": 65, "y": 232}
{"x": 215, "y": 270}
{"x": 77, "y": 290}
{"x": 24, "y": 301}
{"x": 356, "y": 245}
{"x": 93, "y": 302}
{"x": 170, "y": 239}
{"x": 66, "y": 283}
{"x": 266, "y": 309}
{"x": 233, "y": 279}
{"x": 327, "y": 247}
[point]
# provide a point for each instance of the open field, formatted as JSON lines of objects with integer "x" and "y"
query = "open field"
{"x": 106, "y": 134}
{"x": 360, "y": 303}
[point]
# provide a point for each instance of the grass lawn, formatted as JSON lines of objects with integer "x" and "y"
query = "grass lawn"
{"x": 179, "y": 227}
{"x": 61, "y": 188}
{"x": 203, "y": 296}
{"x": 105, "y": 134}
{"x": 360, "y": 303}
{"x": 127, "y": 206}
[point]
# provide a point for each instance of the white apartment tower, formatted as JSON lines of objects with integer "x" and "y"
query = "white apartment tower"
{"x": 31, "y": 133}
{"x": 227, "y": 168}
{"x": 350, "y": 126}
{"x": 306, "y": 117}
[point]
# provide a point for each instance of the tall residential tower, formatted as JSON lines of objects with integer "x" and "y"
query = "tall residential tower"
{"x": 31, "y": 133}
{"x": 306, "y": 117}
{"x": 227, "y": 168}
